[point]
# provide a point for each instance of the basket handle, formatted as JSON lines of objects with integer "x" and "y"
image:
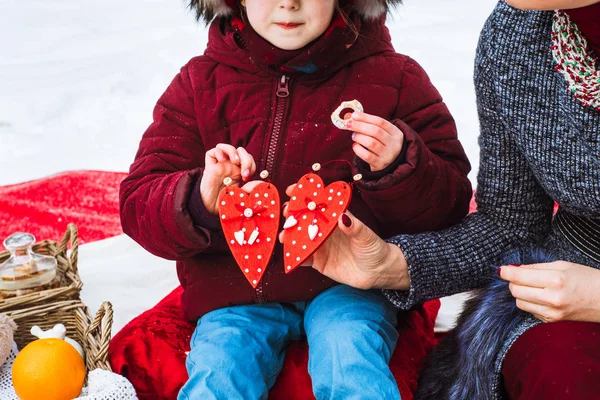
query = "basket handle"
{"x": 102, "y": 323}
{"x": 71, "y": 236}
{"x": 103, "y": 318}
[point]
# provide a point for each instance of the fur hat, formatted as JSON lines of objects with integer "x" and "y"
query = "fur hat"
{"x": 208, "y": 9}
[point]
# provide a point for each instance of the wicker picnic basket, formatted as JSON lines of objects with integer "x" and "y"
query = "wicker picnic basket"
{"x": 70, "y": 283}
{"x": 93, "y": 334}
{"x": 62, "y": 304}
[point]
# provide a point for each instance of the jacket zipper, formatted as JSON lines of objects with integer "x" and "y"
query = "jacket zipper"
{"x": 282, "y": 93}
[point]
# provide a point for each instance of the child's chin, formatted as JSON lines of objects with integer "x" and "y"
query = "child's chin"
{"x": 289, "y": 44}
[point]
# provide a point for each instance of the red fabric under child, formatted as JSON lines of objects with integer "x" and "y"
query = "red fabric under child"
{"x": 151, "y": 350}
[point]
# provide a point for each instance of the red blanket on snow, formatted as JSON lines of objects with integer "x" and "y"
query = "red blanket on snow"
{"x": 89, "y": 199}
{"x": 150, "y": 350}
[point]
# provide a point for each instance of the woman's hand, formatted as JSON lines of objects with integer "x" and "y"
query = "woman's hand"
{"x": 356, "y": 256}
{"x": 219, "y": 163}
{"x": 378, "y": 142}
{"x": 556, "y": 291}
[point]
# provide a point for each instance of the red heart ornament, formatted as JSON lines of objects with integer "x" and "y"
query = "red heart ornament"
{"x": 312, "y": 216}
{"x": 250, "y": 223}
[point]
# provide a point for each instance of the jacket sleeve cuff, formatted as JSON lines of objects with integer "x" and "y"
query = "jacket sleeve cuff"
{"x": 406, "y": 166}
{"x": 364, "y": 169}
{"x": 198, "y": 212}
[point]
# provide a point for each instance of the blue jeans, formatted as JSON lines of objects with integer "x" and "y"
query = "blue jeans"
{"x": 237, "y": 352}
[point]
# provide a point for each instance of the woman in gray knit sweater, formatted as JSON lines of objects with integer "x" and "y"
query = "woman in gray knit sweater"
{"x": 538, "y": 95}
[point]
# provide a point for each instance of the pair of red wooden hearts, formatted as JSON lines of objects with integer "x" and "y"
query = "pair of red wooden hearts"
{"x": 250, "y": 222}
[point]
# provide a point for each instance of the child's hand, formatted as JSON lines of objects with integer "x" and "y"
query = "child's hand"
{"x": 221, "y": 162}
{"x": 377, "y": 142}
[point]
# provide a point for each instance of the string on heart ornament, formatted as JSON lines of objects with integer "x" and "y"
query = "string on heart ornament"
{"x": 250, "y": 223}
{"x": 313, "y": 212}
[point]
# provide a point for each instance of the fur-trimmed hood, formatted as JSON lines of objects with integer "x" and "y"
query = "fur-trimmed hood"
{"x": 208, "y": 9}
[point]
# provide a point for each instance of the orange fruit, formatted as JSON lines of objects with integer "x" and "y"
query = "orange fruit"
{"x": 48, "y": 369}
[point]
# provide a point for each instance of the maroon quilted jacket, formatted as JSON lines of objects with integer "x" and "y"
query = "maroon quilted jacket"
{"x": 277, "y": 105}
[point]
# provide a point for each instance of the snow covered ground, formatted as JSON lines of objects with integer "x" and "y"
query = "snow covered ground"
{"x": 78, "y": 81}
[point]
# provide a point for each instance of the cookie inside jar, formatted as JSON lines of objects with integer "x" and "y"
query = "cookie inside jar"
{"x": 25, "y": 269}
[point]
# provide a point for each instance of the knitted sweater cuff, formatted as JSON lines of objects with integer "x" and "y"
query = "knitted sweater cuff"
{"x": 406, "y": 299}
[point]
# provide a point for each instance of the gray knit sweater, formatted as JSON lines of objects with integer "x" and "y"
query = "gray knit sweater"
{"x": 538, "y": 145}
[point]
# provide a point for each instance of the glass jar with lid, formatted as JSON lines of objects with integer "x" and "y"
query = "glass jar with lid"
{"x": 25, "y": 269}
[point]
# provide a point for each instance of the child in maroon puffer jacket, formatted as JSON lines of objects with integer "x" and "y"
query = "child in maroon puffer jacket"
{"x": 261, "y": 99}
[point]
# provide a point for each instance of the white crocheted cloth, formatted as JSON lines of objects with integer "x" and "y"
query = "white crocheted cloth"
{"x": 102, "y": 385}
